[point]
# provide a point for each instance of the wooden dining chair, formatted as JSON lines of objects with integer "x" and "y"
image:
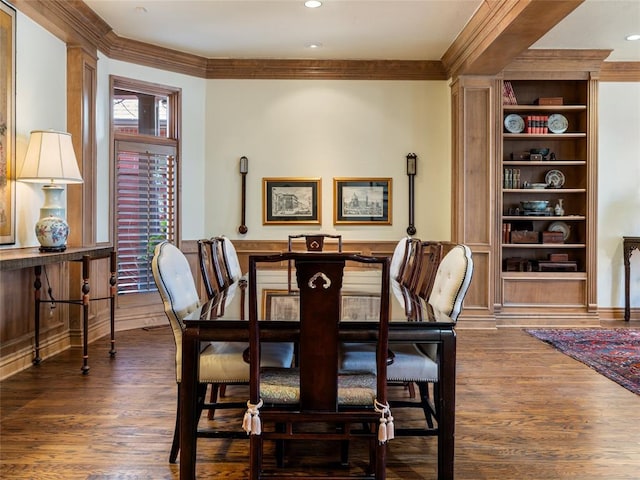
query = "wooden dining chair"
{"x": 207, "y": 270}
{"x": 419, "y": 363}
{"x": 220, "y": 362}
{"x": 410, "y": 271}
{"x": 398, "y": 258}
{"x": 432, "y": 252}
{"x": 313, "y": 242}
{"x": 289, "y": 404}
{"x": 230, "y": 259}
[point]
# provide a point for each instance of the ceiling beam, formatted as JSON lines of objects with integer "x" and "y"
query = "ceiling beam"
{"x": 499, "y": 31}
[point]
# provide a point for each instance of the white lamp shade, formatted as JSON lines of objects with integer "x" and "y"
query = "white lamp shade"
{"x": 50, "y": 159}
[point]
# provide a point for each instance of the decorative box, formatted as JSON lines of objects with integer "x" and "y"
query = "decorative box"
{"x": 524, "y": 236}
{"x": 552, "y": 237}
{"x": 558, "y": 257}
{"x": 549, "y": 101}
{"x": 547, "y": 266}
{"x": 517, "y": 264}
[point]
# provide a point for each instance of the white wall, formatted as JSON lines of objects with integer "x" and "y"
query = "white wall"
{"x": 618, "y": 189}
{"x": 327, "y": 129}
{"x": 41, "y": 104}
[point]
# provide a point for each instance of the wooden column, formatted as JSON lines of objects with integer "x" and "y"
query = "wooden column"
{"x": 81, "y": 123}
{"x": 473, "y": 203}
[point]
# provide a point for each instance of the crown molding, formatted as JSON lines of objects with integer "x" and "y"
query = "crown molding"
{"x": 325, "y": 69}
{"x": 559, "y": 64}
{"x": 496, "y": 38}
{"x": 620, "y": 72}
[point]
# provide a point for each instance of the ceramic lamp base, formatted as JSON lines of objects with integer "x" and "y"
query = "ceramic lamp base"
{"x": 52, "y": 233}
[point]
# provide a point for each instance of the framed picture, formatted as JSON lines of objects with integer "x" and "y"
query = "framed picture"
{"x": 7, "y": 124}
{"x": 291, "y": 200}
{"x": 360, "y": 306}
{"x": 280, "y": 305}
{"x": 365, "y": 201}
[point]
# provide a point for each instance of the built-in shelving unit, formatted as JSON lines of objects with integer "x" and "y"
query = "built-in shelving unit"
{"x": 536, "y": 269}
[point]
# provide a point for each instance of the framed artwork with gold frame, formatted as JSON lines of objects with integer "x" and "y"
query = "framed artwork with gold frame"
{"x": 291, "y": 200}
{"x": 280, "y": 305}
{"x": 362, "y": 201}
{"x": 357, "y": 306}
{"x": 7, "y": 124}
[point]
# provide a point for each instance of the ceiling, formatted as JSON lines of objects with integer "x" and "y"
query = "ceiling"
{"x": 347, "y": 29}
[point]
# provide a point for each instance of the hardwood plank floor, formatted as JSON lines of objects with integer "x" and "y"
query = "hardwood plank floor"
{"x": 524, "y": 411}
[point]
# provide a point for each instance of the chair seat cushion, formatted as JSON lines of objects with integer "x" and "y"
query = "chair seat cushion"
{"x": 410, "y": 363}
{"x": 282, "y": 386}
{"x": 223, "y": 362}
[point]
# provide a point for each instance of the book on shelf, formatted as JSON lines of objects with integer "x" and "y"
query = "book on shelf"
{"x": 511, "y": 178}
{"x": 536, "y": 124}
{"x": 508, "y": 95}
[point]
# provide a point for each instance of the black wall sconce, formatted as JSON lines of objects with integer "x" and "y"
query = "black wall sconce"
{"x": 244, "y": 168}
{"x": 412, "y": 169}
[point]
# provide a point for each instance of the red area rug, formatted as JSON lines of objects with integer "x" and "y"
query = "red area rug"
{"x": 614, "y": 353}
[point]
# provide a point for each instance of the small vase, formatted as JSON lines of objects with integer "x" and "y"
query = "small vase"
{"x": 559, "y": 210}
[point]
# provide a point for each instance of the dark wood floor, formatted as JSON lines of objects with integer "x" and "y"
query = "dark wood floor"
{"x": 524, "y": 411}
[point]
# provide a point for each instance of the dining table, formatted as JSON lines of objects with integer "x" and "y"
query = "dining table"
{"x": 224, "y": 318}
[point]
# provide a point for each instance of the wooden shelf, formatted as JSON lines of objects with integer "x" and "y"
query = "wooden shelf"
{"x": 543, "y": 218}
{"x": 546, "y": 136}
{"x": 543, "y": 245}
{"x": 544, "y": 163}
{"x": 544, "y": 108}
{"x": 547, "y": 191}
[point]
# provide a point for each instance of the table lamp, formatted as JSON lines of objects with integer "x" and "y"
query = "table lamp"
{"x": 50, "y": 159}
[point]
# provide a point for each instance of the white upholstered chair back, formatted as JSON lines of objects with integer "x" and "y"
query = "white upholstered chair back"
{"x": 177, "y": 289}
{"x": 231, "y": 255}
{"x": 452, "y": 281}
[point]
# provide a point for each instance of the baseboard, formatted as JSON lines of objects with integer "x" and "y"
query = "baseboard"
{"x": 51, "y": 346}
{"x": 617, "y": 313}
{"x": 23, "y": 358}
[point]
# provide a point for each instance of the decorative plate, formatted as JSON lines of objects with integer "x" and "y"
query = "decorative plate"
{"x": 514, "y": 123}
{"x": 560, "y": 227}
{"x": 558, "y": 123}
{"x": 554, "y": 178}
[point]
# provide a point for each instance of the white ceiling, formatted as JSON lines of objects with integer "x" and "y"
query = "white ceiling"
{"x": 347, "y": 29}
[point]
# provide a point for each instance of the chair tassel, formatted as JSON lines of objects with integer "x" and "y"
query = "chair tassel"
{"x": 386, "y": 430}
{"x": 251, "y": 421}
{"x": 391, "y": 433}
{"x": 382, "y": 430}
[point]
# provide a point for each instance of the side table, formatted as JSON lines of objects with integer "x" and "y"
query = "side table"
{"x": 628, "y": 245}
{"x": 19, "y": 258}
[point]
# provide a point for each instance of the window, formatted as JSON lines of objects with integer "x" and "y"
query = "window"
{"x": 146, "y": 154}
{"x": 145, "y": 200}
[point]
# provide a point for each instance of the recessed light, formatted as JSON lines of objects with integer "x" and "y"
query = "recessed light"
{"x": 314, "y": 46}
{"x": 635, "y": 36}
{"x": 313, "y": 3}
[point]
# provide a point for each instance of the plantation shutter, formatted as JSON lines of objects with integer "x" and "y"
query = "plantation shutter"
{"x": 146, "y": 209}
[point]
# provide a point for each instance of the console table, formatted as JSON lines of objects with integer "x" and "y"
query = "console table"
{"x": 628, "y": 245}
{"x": 15, "y": 259}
